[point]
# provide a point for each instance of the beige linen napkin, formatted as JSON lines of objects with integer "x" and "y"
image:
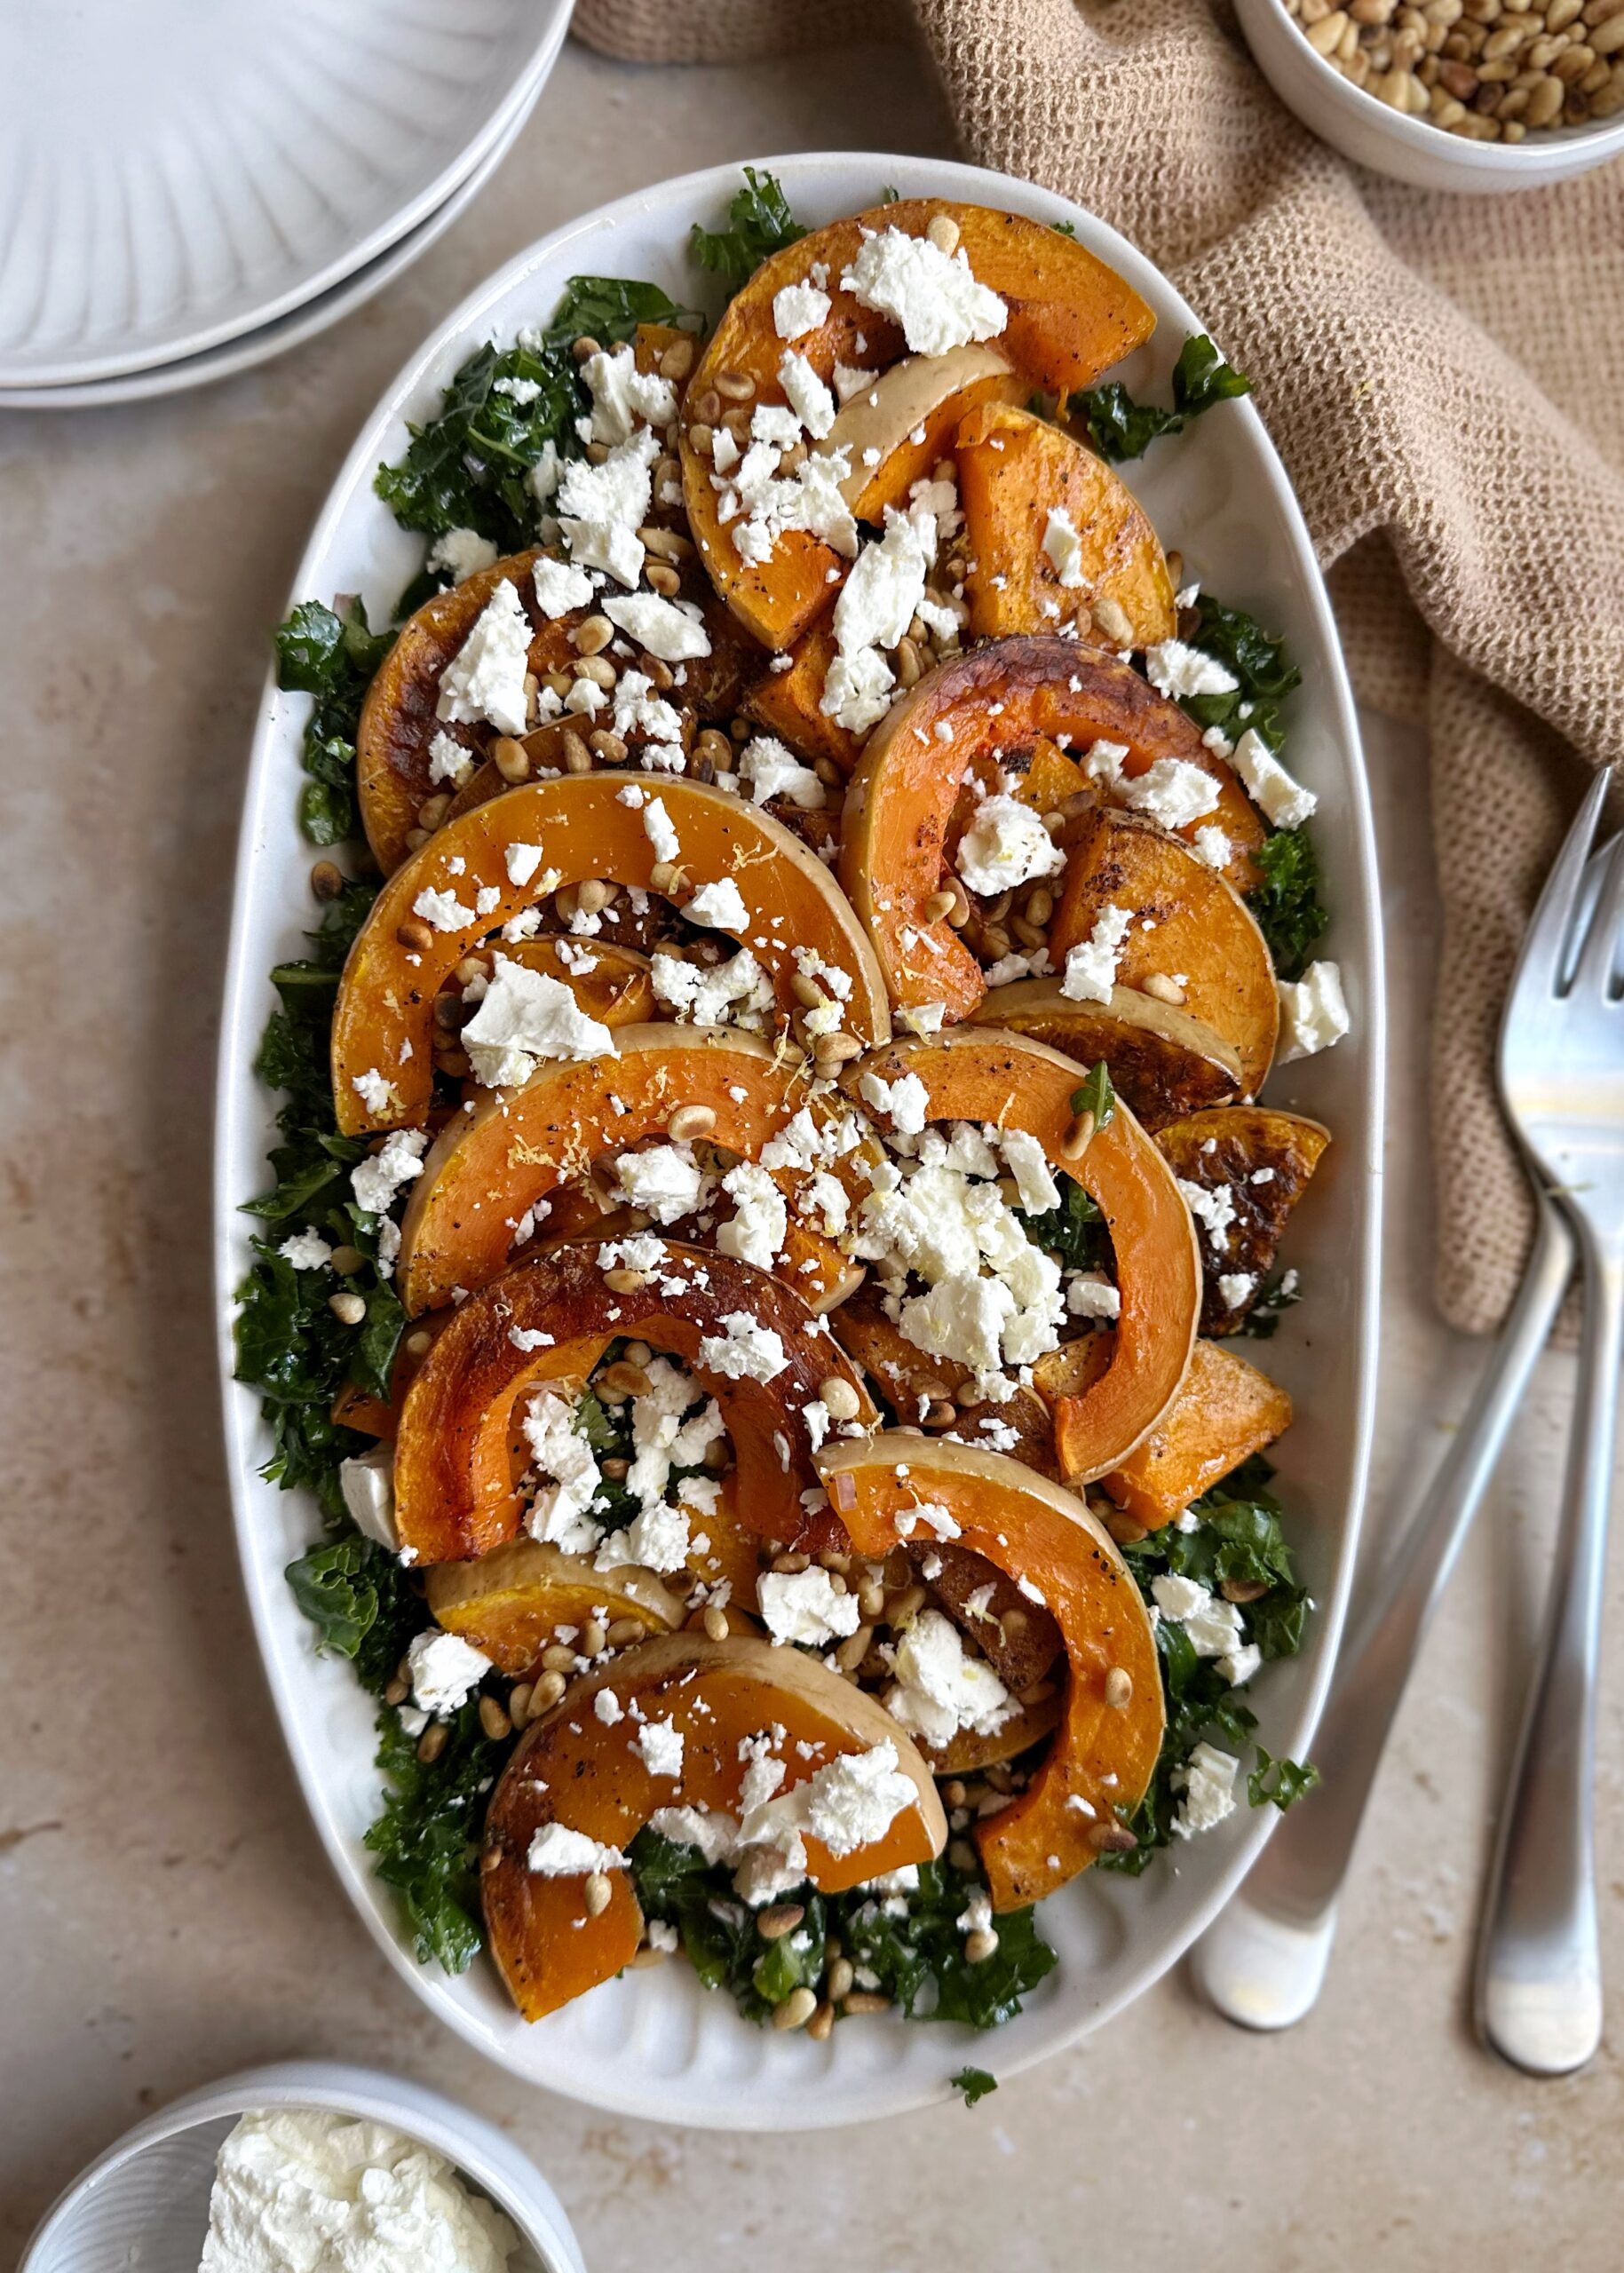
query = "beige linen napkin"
{"x": 1444, "y": 379}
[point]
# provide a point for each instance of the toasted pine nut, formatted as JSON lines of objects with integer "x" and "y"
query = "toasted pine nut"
{"x": 597, "y": 1894}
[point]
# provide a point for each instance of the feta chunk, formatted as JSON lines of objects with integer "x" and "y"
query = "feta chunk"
{"x": 560, "y": 587}
{"x": 464, "y": 551}
{"x": 1090, "y": 966}
{"x": 804, "y": 1606}
{"x": 798, "y": 309}
{"x": 485, "y": 679}
{"x": 743, "y": 1351}
{"x": 1283, "y": 800}
{"x": 720, "y": 905}
{"x": 1313, "y": 1012}
{"x": 672, "y": 630}
{"x": 772, "y": 771}
{"x": 1063, "y": 548}
{"x": 1172, "y": 791}
{"x": 444, "y": 1671}
{"x": 1174, "y": 669}
{"x": 1006, "y": 845}
{"x": 932, "y": 295}
{"x": 557, "y": 1852}
{"x": 526, "y": 1016}
{"x": 1208, "y": 1780}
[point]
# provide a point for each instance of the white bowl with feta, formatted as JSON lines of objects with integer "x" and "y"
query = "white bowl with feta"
{"x": 311, "y": 2165}
{"x": 653, "y": 2043}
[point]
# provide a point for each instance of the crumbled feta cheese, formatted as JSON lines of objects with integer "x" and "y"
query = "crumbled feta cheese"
{"x": 885, "y": 585}
{"x": 557, "y": 1852}
{"x": 805, "y": 1606}
{"x": 1006, "y": 845}
{"x": 374, "y": 1090}
{"x": 448, "y": 761}
{"x": 1029, "y": 1166}
{"x": 307, "y": 1251}
{"x": 810, "y": 399}
{"x": 526, "y": 1016}
{"x": 1208, "y": 1780}
{"x": 1172, "y": 791}
{"x": 444, "y": 1671}
{"x": 1313, "y": 1012}
{"x": 1212, "y": 846}
{"x": 857, "y": 690}
{"x": 735, "y": 992}
{"x": 743, "y": 1351}
{"x": 1090, "y": 966}
{"x": 606, "y": 1708}
{"x": 854, "y": 1802}
{"x": 621, "y": 395}
{"x": 1284, "y": 801}
{"x": 1090, "y": 1293}
{"x": 442, "y": 911}
{"x": 798, "y": 309}
{"x": 933, "y": 295}
{"x": 772, "y": 771}
{"x": 659, "y": 1744}
{"x": 375, "y": 1181}
{"x": 757, "y": 1230}
{"x": 940, "y": 1689}
{"x": 464, "y": 551}
{"x": 1234, "y": 1286}
{"x": 560, "y": 587}
{"x": 522, "y": 861}
{"x": 1063, "y": 547}
{"x": 602, "y": 507}
{"x": 1211, "y": 1625}
{"x": 367, "y": 1484}
{"x": 672, "y": 630}
{"x": 485, "y": 679}
{"x": 1238, "y": 1665}
{"x": 660, "y": 831}
{"x": 1175, "y": 669}
{"x": 720, "y": 906}
{"x": 905, "y": 1100}
{"x": 1213, "y": 1206}
{"x": 665, "y": 1181}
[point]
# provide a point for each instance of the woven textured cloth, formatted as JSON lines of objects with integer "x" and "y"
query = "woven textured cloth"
{"x": 1445, "y": 380}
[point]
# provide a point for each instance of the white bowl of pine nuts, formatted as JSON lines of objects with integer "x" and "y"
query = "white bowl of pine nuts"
{"x": 1451, "y": 94}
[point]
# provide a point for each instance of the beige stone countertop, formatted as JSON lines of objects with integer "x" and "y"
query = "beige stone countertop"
{"x": 166, "y": 1909}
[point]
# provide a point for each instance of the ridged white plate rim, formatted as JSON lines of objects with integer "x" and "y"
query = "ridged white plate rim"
{"x": 551, "y": 25}
{"x": 291, "y": 330}
{"x": 777, "y": 2081}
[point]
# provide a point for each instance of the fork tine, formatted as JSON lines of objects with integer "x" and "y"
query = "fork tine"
{"x": 1594, "y": 973}
{"x": 1539, "y": 967}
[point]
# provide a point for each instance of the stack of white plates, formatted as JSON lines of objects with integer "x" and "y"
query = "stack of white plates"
{"x": 190, "y": 189}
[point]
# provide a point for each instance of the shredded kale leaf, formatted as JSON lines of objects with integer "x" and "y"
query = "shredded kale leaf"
{"x": 1062, "y": 229}
{"x": 1279, "y": 1783}
{"x": 362, "y": 1604}
{"x": 1263, "y": 673}
{"x": 759, "y": 223}
{"x": 917, "y": 1959}
{"x": 975, "y": 2083}
{"x": 426, "y": 1841}
{"x": 1120, "y": 428}
{"x": 1290, "y": 913}
{"x": 1280, "y": 1291}
{"x": 333, "y": 657}
{"x": 1240, "y": 1538}
{"x": 891, "y": 195}
{"x": 469, "y": 467}
{"x": 1075, "y": 1233}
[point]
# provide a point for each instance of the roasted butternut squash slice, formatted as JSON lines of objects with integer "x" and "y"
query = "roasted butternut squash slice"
{"x": 589, "y": 1774}
{"x": 1103, "y": 1755}
{"x": 1161, "y": 1061}
{"x": 1226, "y": 1412}
{"x": 561, "y": 833}
{"x": 968, "y": 1753}
{"x": 978, "y": 1073}
{"x": 1070, "y": 317}
{"x": 894, "y": 431}
{"x": 1034, "y": 571}
{"x": 455, "y": 1468}
{"x": 1263, "y": 1158}
{"x": 1019, "y": 1638}
{"x": 398, "y": 720}
{"x": 787, "y": 704}
{"x": 512, "y": 1601}
{"x": 1043, "y": 777}
{"x": 489, "y": 1168}
{"x": 900, "y": 801}
{"x": 1189, "y": 925}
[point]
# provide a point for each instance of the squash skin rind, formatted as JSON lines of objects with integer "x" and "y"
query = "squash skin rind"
{"x": 453, "y": 1472}
{"x": 1163, "y": 1063}
{"x": 1039, "y": 1530}
{"x": 387, "y": 988}
{"x": 900, "y": 803}
{"x": 547, "y": 1949}
{"x": 981, "y": 1073}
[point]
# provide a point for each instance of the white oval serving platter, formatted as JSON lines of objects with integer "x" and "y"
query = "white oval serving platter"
{"x": 173, "y": 176}
{"x": 654, "y": 2044}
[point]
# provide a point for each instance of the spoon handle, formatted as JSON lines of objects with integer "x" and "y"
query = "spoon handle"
{"x": 1262, "y": 1961}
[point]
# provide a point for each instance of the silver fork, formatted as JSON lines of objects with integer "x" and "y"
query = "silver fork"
{"x": 1539, "y": 1991}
